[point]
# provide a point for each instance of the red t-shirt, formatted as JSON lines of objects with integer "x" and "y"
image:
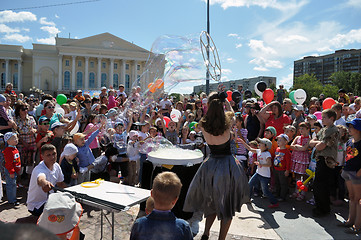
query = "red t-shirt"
{"x": 278, "y": 123}
{"x": 282, "y": 160}
{"x": 12, "y": 160}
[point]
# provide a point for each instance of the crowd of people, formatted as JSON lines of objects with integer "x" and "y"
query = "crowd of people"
{"x": 280, "y": 150}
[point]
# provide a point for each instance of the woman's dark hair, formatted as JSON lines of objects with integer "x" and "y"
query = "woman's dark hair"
{"x": 215, "y": 121}
{"x": 47, "y": 103}
{"x": 19, "y": 104}
{"x": 111, "y": 151}
{"x": 190, "y": 106}
{"x": 280, "y": 111}
{"x": 95, "y": 100}
{"x": 90, "y": 119}
{"x": 317, "y": 124}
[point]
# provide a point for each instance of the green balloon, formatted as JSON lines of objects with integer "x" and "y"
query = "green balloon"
{"x": 191, "y": 126}
{"x": 61, "y": 99}
{"x": 292, "y": 97}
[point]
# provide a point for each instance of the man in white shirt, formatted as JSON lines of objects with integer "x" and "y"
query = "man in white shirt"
{"x": 43, "y": 178}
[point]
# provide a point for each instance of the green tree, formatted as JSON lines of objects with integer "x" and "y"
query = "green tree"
{"x": 350, "y": 81}
{"x": 176, "y": 96}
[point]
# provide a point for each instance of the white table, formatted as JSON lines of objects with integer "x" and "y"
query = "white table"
{"x": 109, "y": 196}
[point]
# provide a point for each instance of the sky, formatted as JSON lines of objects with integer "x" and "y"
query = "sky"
{"x": 253, "y": 37}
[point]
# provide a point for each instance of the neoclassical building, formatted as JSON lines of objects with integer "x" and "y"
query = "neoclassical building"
{"x": 71, "y": 64}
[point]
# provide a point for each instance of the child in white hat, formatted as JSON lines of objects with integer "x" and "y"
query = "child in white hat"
{"x": 61, "y": 216}
{"x": 69, "y": 165}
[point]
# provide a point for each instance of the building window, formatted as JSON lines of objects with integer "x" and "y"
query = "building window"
{"x": 115, "y": 65}
{"x": 15, "y": 80}
{"x": 92, "y": 80}
{"x": 104, "y": 64}
{"x": 104, "y": 80}
{"x": 92, "y": 64}
{"x": 127, "y": 66}
{"x": 66, "y": 80}
{"x": 138, "y": 80}
{"x": 115, "y": 80}
{"x": 3, "y": 65}
{"x": 79, "y": 80}
{"x": 79, "y": 63}
{"x": 16, "y": 65}
{"x": 127, "y": 81}
{"x": 3, "y": 80}
{"x": 138, "y": 67}
{"x": 67, "y": 63}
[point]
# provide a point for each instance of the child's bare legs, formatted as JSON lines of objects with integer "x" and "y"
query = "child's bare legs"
{"x": 225, "y": 224}
{"x": 352, "y": 203}
{"x": 357, "y": 192}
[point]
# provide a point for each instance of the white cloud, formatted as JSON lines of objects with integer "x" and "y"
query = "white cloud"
{"x": 226, "y": 71}
{"x": 280, "y": 5}
{"x": 16, "y": 37}
{"x": 341, "y": 40}
{"x": 6, "y": 29}
{"x": 10, "y": 16}
{"x": 43, "y": 21}
{"x": 231, "y": 60}
{"x": 354, "y": 3}
{"x": 292, "y": 39}
{"x": 56, "y": 16}
{"x": 258, "y": 45}
{"x": 261, "y": 69}
{"x": 239, "y": 45}
{"x": 233, "y": 35}
{"x": 263, "y": 64}
{"x": 52, "y": 30}
{"x": 287, "y": 81}
{"x": 224, "y": 78}
{"x": 49, "y": 40}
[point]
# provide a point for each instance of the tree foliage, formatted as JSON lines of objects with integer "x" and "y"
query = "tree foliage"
{"x": 313, "y": 87}
{"x": 350, "y": 81}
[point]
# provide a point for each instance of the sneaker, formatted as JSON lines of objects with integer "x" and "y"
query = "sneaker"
{"x": 276, "y": 205}
{"x": 16, "y": 204}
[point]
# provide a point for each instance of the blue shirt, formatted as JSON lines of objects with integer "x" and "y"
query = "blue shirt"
{"x": 85, "y": 154}
{"x": 160, "y": 225}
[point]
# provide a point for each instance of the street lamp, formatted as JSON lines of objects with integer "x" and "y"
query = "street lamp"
{"x": 209, "y": 32}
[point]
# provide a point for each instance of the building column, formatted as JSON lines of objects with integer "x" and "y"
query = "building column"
{"x": 99, "y": 75}
{"x": 111, "y": 73}
{"x": 122, "y": 73}
{"x": 20, "y": 79}
{"x": 7, "y": 79}
{"x": 86, "y": 85}
{"x": 73, "y": 80}
{"x": 135, "y": 65}
{"x": 60, "y": 72}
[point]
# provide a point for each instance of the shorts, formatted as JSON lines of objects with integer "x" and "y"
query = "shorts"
{"x": 351, "y": 176}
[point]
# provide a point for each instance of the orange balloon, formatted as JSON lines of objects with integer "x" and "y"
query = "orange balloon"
{"x": 150, "y": 85}
{"x": 159, "y": 83}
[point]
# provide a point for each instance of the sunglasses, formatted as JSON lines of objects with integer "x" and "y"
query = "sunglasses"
{"x": 51, "y": 107}
{"x": 45, "y": 123}
{"x": 24, "y": 109}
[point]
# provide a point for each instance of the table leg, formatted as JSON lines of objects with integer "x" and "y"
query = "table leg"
{"x": 112, "y": 225}
{"x": 101, "y": 224}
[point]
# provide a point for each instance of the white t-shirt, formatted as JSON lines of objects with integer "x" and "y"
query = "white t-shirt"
{"x": 122, "y": 93}
{"x": 163, "y": 104}
{"x": 340, "y": 121}
{"x": 262, "y": 159}
{"x": 142, "y": 136}
{"x": 36, "y": 196}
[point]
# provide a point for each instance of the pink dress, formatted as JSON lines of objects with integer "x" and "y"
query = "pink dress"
{"x": 95, "y": 142}
{"x": 300, "y": 159}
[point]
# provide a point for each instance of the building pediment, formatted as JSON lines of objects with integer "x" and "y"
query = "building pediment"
{"x": 104, "y": 41}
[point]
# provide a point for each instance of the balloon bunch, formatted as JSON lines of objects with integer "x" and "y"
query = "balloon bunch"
{"x": 265, "y": 93}
{"x": 298, "y": 96}
{"x": 301, "y": 186}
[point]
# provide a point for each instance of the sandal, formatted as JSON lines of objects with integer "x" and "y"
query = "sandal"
{"x": 352, "y": 230}
{"x": 344, "y": 224}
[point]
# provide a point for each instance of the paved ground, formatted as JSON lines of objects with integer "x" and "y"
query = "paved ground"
{"x": 292, "y": 220}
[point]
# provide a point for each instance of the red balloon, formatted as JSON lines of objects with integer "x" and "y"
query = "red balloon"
{"x": 303, "y": 187}
{"x": 167, "y": 120}
{"x": 299, "y": 183}
{"x": 328, "y": 103}
{"x": 268, "y": 95}
{"x": 229, "y": 95}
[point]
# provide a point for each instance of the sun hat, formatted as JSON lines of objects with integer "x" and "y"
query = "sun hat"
{"x": 284, "y": 136}
{"x": 69, "y": 149}
{"x": 103, "y": 88}
{"x": 43, "y": 119}
{"x": 356, "y": 123}
{"x": 57, "y": 124}
{"x": 61, "y": 213}
{"x": 272, "y": 130}
{"x": 132, "y": 133}
{"x": 8, "y": 135}
{"x": 265, "y": 141}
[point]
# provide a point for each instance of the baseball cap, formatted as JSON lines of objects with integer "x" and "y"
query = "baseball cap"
{"x": 356, "y": 123}
{"x": 8, "y": 135}
{"x": 57, "y": 124}
{"x": 265, "y": 141}
{"x": 118, "y": 124}
{"x": 103, "y": 88}
{"x": 111, "y": 112}
{"x": 290, "y": 127}
{"x": 272, "y": 130}
{"x": 312, "y": 116}
{"x": 298, "y": 108}
{"x": 61, "y": 213}
{"x": 43, "y": 119}
{"x": 284, "y": 136}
